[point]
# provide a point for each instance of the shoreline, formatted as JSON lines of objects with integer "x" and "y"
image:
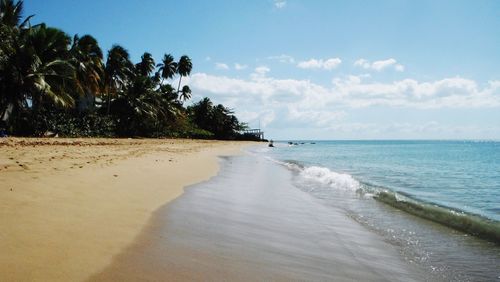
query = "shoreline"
{"x": 68, "y": 206}
{"x": 251, "y": 223}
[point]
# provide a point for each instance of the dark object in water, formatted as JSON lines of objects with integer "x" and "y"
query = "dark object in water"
{"x": 290, "y": 143}
{"x": 271, "y": 144}
{"x": 313, "y": 143}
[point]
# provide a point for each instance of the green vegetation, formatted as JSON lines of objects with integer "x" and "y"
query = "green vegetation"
{"x": 50, "y": 82}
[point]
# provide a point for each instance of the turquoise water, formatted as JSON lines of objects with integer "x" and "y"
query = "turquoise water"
{"x": 463, "y": 175}
{"x": 426, "y": 197}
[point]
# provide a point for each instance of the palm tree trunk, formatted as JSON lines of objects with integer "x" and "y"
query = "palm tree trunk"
{"x": 109, "y": 102}
{"x": 179, "y": 86}
{"x": 4, "y": 113}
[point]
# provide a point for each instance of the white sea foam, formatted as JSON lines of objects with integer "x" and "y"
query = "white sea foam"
{"x": 333, "y": 179}
{"x": 323, "y": 175}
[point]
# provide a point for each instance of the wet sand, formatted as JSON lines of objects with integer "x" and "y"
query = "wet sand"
{"x": 249, "y": 223}
{"x": 68, "y": 206}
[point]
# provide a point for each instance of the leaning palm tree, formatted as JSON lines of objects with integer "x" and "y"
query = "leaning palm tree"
{"x": 6, "y": 53}
{"x": 185, "y": 93}
{"x": 184, "y": 68}
{"x": 167, "y": 67}
{"x": 89, "y": 68}
{"x": 47, "y": 73}
{"x": 10, "y": 96}
{"x": 117, "y": 72}
{"x": 146, "y": 66}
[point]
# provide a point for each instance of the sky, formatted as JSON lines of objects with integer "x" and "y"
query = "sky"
{"x": 311, "y": 69}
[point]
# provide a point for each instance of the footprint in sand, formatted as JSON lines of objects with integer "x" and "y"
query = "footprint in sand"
{"x": 24, "y": 166}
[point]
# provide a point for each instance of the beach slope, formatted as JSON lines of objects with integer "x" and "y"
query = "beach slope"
{"x": 67, "y": 206}
{"x": 250, "y": 223}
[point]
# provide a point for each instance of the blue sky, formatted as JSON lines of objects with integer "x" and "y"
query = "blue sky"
{"x": 319, "y": 69}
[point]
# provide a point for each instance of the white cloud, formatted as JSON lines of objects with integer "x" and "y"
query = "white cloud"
{"x": 225, "y": 86}
{"x": 415, "y": 130}
{"x": 327, "y": 64}
{"x": 453, "y": 92}
{"x": 362, "y": 63}
{"x": 266, "y": 117}
{"x": 280, "y": 4}
{"x": 221, "y": 66}
{"x": 240, "y": 67}
{"x": 316, "y": 117}
{"x": 379, "y": 65}
{"x": 283, "y": 58}
{"x": 261, "y": 71}
{"x": 310, "y": 104}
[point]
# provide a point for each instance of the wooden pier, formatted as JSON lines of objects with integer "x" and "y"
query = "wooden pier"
{"x": 259, "y": 134}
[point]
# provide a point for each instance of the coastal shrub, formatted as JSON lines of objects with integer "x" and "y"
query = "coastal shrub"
{"x": 65, "y": 124}
{"x": 199, "y": 134}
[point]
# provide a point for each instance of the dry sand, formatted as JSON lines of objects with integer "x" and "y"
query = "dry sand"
{"x": 67, "y": 206}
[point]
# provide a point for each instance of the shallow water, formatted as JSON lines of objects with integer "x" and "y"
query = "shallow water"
{"x": 251, "y": 223}
{"x": 463, "y": 175}
{"x": 458, "y": 179}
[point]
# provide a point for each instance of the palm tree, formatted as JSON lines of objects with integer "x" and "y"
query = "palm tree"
{"x": 167, "y": 68}
{"x": 6, "y": 53}
{"x": 185, "y": 93}
{"x": 184, "y": 68}
{"x": 146, "y": 66}
{"x": 117, "y": 72}
{"x": 10, "y": 24}
{"x": 170, "y": 106}
{"x": 44, "y": 64}
{"x": 37, "y": 72}
{"x": 89, "y": 68}
{"x": 11, "y": 13}
{"x": 201, "y": 113}
{"x": 10, "y": 16}
{"x": 132, "y": 107}
{"x": 38, "y": 68}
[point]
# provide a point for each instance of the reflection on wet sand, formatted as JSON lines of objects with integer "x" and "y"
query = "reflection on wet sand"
{"x": 251, "y": 223}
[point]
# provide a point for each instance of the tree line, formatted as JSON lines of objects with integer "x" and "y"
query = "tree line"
{"x": 53, "y": 83}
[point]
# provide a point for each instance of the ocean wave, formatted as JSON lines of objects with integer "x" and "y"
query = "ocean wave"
{"x": 322, "y": 175}
{"x": 333, "y": 179}
{"x": 290, "y": 164}
{"x": 456, "y": 219}
{"x": 459, "y": 220}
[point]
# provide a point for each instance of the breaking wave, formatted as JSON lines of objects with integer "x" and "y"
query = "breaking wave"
{"x": 466, "y": 222}
{"x": 459, "y": 220}
{"x": 333, "y": 179}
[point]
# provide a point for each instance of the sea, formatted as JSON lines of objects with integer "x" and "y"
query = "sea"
{"x": 437, "y": 202}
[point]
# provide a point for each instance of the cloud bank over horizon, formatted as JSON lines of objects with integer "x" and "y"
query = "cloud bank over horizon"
{"x": 330, "y": 107}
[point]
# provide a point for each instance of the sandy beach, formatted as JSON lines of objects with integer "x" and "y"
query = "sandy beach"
{"x": 68, "y": 206}
{"x": 250, "y": 223}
